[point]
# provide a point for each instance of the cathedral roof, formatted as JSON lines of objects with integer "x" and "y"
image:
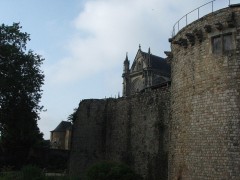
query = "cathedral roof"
{"x": 156, "y": 62}
{"x": 160, "y": 64}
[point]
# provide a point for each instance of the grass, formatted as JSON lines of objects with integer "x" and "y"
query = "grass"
{"x": 100, "y": 171}
{"x": 19, "y": 176}
{"x": 32, "y": 173}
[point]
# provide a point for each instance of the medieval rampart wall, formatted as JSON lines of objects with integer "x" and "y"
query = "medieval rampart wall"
{"x": 205, "y": 126}
{"x": 132, "y": 130}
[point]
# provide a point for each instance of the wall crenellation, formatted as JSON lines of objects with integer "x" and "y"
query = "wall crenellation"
{"x": 132, "y": 130}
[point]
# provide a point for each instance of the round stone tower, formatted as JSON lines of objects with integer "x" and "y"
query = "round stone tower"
{"x": 205, "y": 125}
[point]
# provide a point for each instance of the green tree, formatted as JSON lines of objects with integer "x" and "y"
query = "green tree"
{"x": 20, "y": 90}
{"x": 106, "y": 170}
{"x": 72, "y": 117}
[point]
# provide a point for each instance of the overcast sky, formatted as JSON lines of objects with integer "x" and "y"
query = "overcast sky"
{"x": 84, "y": 43}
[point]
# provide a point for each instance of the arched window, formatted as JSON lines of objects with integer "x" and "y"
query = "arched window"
{"x": 137, "y": 85}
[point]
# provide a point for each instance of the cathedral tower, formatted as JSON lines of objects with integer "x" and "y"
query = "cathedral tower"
{"x": 125, "y": 75}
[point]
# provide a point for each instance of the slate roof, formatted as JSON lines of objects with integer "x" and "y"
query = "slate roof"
{"x": 159, "y": 63}
{"x": 63, "y": 126}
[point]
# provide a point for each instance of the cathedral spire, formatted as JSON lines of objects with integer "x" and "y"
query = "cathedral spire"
{"x": 149, "y": 58}
{"x": 126, "y": 59}
{"x": 126, "y": 64}
{"x": 126, "y": 56}
{"x": 140, "y": 47}
{"x": 125, "y": 76}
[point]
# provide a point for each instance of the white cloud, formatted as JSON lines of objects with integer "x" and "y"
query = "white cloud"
{"x": 104, "y": 31}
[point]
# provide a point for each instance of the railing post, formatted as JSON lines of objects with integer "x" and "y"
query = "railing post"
{"x": 212, "y": 6}
{"x": 176, "y": 29}
{"x": 198, "y": 13}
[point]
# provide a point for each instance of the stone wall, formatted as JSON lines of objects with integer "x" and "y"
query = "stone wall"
{"x": 58, "y": 140}
{"x": 132, "y": 130}
{"x": 205, "y": 125}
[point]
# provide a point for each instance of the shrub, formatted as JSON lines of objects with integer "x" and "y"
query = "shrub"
{"x": 7, "y": 168}
{"x": 10, "y": 176}
{"x": 111, "y": 171}
{"x": 32, "y": 173}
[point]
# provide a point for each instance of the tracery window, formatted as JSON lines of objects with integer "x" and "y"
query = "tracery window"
{"x": 139, "y": 66}
{"x": 137, "y": 85}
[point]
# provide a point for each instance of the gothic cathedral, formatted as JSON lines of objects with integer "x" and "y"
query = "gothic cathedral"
{"x": 147, "y": 71}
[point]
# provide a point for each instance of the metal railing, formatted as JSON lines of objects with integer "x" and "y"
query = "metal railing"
{"x": 176, "y": 26}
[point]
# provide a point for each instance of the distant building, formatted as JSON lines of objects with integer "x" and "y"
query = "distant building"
{"x": 61, "y": 136}
{"x": 147, "y": 71}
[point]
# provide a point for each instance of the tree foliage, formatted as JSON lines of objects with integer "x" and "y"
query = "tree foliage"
{"x": 20, "y": 90}
{"x": 72, "y": 117}
{"x": 106, "y": 170}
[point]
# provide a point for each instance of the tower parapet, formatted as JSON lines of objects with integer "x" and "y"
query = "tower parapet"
{"x": 205, "y": 93}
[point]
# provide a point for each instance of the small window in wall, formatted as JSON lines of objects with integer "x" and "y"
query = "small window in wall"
{"x": 223, "y": 43}
{"x": 227, "y": 42}
{"x": 217, "y": 45}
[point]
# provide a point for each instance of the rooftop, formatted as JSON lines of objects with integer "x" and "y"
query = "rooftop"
{"x": 63, "y": 126}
